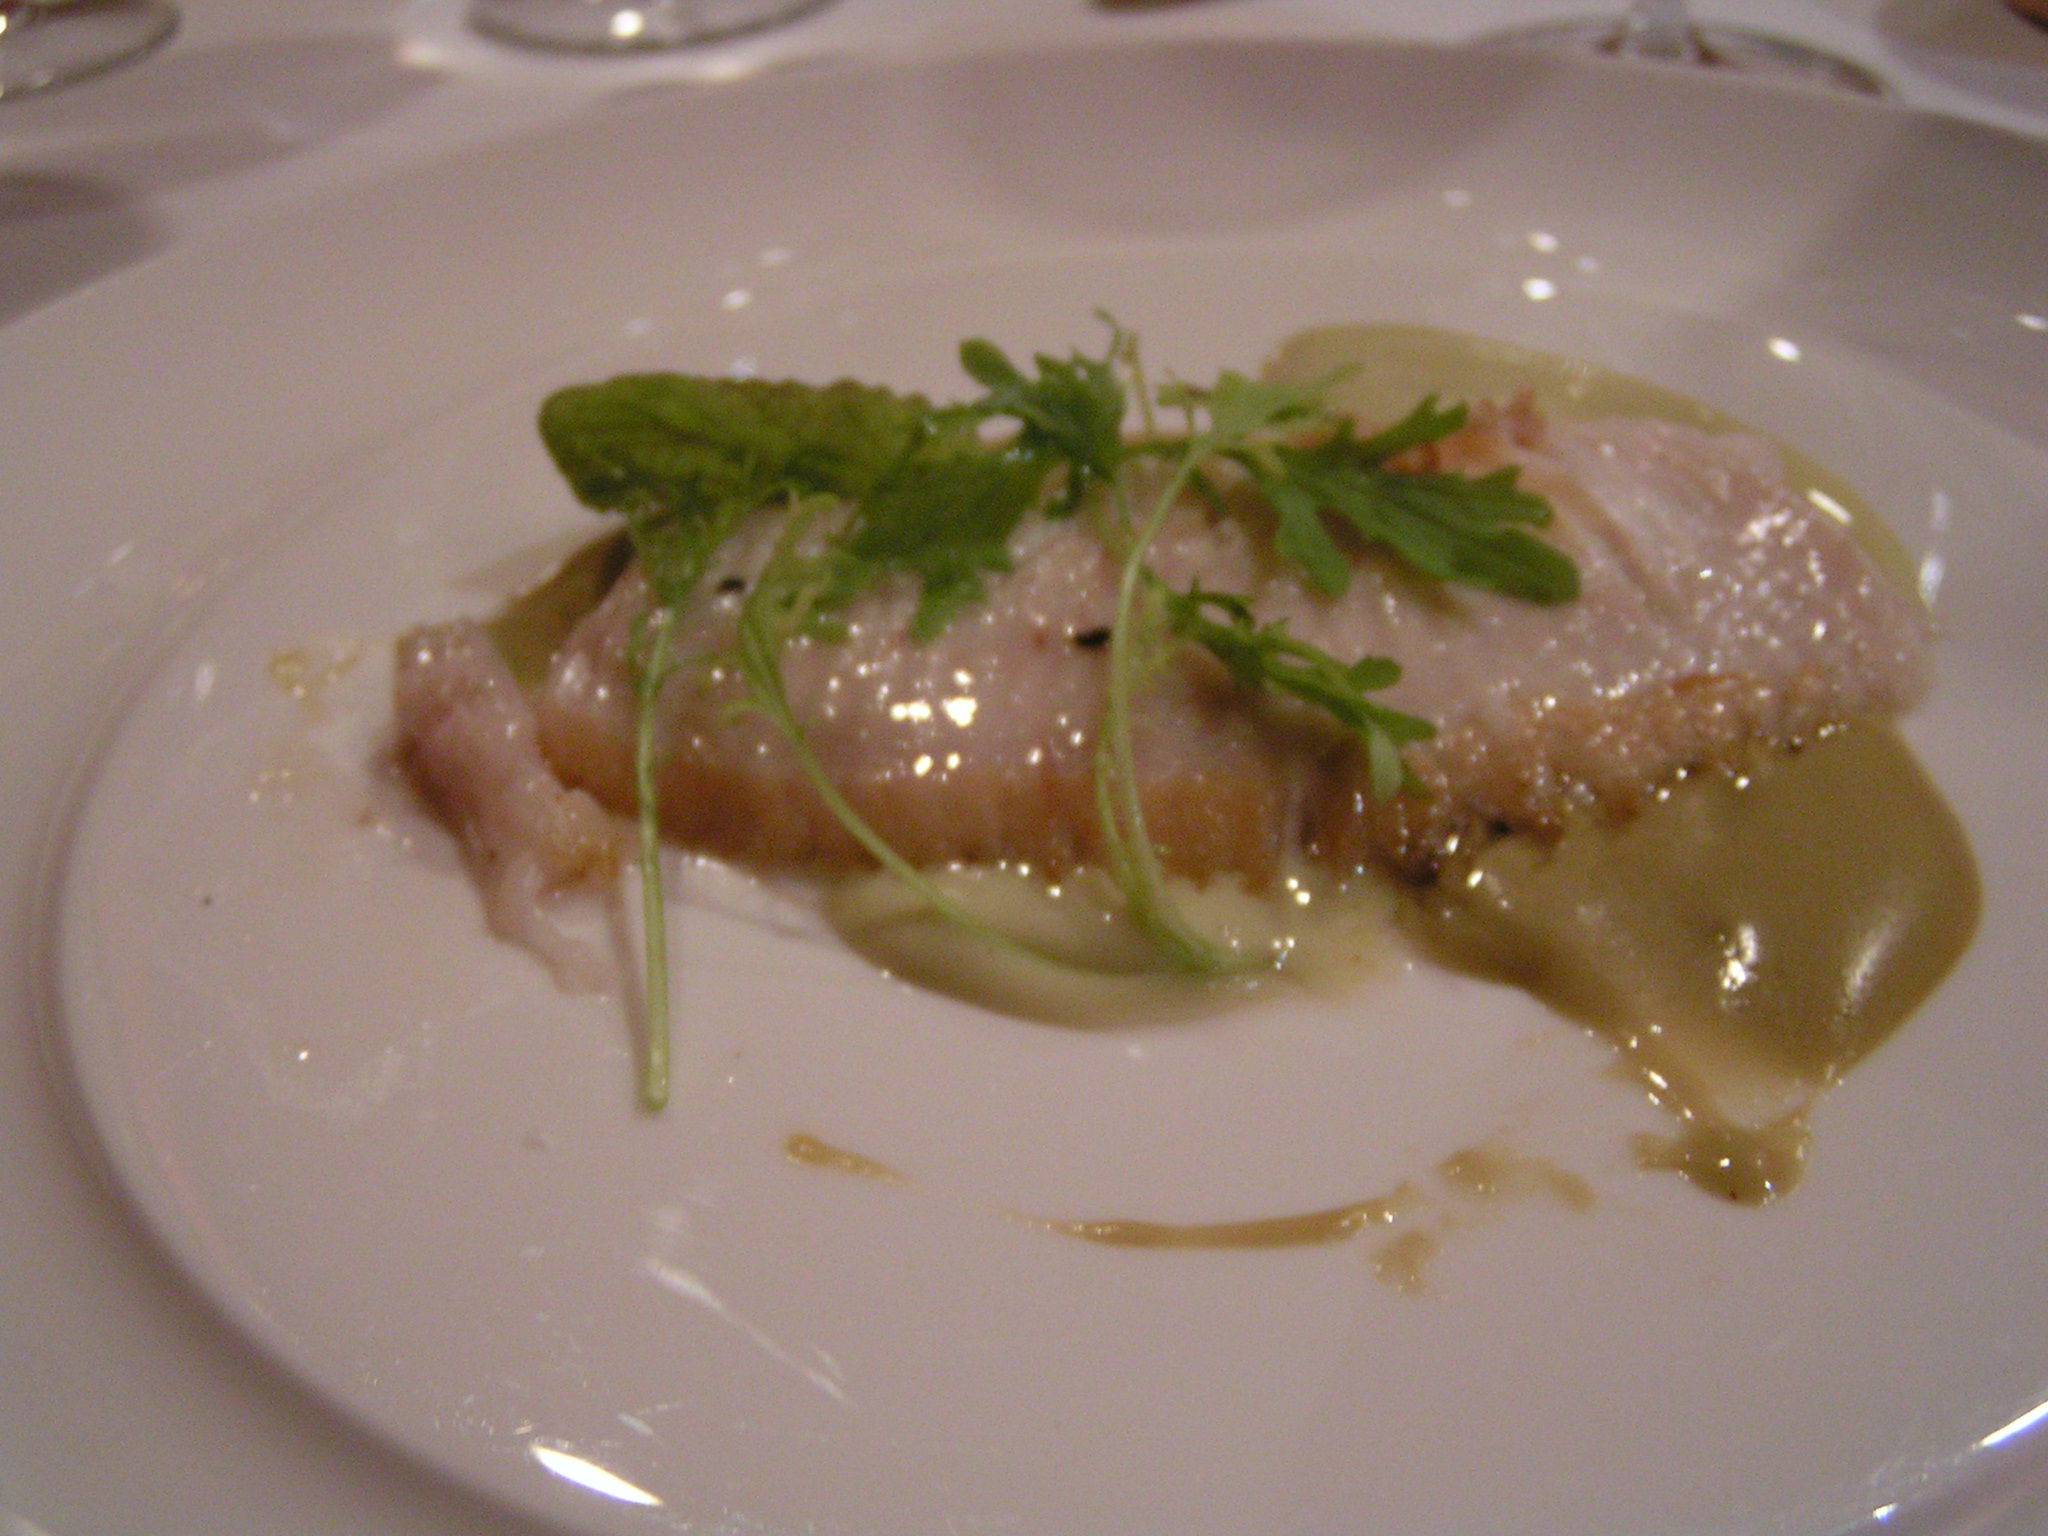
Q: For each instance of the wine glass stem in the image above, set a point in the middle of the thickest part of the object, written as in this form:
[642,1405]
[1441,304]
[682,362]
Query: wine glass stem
[1658,29]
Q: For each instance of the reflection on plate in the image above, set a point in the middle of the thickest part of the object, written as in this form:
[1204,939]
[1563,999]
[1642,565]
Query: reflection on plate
[408,1167]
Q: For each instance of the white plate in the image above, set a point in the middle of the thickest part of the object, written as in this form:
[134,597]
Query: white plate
[410,1170]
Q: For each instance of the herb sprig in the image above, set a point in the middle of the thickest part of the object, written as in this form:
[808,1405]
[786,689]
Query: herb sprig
[876,485]
[1448,527]
[1265,656]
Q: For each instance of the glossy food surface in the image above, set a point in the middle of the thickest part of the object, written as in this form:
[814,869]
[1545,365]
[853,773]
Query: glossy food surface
[382,1146]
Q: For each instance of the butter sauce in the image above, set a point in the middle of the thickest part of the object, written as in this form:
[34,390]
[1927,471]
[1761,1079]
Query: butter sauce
[1415,1218]
[1742,942]
[1088,966]
[1336,1225]
[1483,1176]
[808,1151]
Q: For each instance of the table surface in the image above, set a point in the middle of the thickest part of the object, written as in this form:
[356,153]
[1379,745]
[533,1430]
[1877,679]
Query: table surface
[256,104]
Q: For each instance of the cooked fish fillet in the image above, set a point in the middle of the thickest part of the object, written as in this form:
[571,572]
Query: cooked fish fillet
[1718,610]
[468,740]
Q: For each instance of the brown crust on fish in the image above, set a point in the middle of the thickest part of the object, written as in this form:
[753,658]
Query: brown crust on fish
[1720,613]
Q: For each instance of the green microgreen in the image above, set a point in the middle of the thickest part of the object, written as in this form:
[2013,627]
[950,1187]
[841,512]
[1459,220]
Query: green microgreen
[1448,527]
[1070,417]
[789,599]
[877,486]
[654,660]
[1266,656]
[1220,420]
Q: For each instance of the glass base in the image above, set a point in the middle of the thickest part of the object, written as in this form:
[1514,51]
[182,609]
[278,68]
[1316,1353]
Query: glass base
[627,26]
[1732,49]
[46,43]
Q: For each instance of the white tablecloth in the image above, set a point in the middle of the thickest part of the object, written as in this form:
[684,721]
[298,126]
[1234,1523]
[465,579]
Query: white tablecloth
[258,102]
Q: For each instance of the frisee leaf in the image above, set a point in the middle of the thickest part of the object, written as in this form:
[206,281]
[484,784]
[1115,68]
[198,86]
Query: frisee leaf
[943,514]
[786,601]
[1299,534]
[878,484]
[1223,420]
[686,459]
[1266,656]
[1238,408]
[1071,415]
[1450,527]
[1427,423]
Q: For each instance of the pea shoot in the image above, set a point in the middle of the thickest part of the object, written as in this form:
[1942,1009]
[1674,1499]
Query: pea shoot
[873,485]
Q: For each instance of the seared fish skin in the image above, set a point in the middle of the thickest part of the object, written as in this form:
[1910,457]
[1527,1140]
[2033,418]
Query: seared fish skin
[1718,611]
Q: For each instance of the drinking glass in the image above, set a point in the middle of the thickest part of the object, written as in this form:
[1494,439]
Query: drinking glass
[626,26]
[1663,32]
[46,43]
